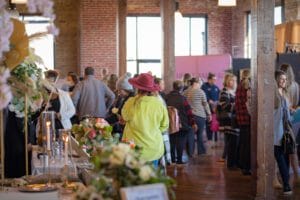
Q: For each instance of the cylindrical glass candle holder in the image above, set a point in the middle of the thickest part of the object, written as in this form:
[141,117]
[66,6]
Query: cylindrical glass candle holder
[48,125]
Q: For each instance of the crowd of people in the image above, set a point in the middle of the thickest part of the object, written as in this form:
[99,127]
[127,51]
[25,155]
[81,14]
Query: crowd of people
[144,114]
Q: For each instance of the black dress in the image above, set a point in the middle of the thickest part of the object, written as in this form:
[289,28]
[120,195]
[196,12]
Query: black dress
[55,106]
[14,139]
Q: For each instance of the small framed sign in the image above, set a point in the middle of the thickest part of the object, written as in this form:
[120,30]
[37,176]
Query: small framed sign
[145,192]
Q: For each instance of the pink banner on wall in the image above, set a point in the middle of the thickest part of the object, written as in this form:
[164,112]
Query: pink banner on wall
[200,66]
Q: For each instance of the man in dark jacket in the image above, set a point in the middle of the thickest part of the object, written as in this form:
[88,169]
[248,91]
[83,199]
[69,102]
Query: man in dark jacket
[212,94]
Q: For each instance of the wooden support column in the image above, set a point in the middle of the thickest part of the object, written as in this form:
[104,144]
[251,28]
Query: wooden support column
[262,68]
[121,36]
[167,10]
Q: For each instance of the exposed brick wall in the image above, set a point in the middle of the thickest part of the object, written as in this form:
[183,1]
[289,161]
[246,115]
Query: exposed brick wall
[67,42]
[292,10]
[98,35]
[219,23]
[239,25]
[143,6]
[98,28]
[219,19]
[88,29]
[239,14]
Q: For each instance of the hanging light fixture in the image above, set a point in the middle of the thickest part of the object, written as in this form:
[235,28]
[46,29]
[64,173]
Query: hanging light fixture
[19,1]
[226,2]
[177,11]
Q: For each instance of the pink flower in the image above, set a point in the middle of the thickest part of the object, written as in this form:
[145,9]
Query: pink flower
[92,134]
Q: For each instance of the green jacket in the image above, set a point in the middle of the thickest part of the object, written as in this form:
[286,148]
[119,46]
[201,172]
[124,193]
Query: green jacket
[146,118]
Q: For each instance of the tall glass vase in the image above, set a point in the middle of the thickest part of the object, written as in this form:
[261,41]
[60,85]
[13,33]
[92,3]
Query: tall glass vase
[48,126]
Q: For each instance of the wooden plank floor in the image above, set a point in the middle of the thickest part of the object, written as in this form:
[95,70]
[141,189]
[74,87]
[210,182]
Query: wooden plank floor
[205,178]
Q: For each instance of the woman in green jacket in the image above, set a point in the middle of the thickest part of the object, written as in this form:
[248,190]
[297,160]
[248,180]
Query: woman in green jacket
[146,118]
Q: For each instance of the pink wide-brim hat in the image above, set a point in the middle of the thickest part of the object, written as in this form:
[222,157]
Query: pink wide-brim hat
[144,81]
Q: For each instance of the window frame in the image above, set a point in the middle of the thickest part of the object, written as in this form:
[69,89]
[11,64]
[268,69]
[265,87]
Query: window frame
[24,15]
[190,16]
[247,47]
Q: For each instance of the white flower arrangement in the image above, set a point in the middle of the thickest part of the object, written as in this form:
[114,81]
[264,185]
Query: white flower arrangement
[119,165]
[46,8]
[5,92]
[6,29]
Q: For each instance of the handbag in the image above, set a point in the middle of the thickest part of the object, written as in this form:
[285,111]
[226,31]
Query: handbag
[288,142]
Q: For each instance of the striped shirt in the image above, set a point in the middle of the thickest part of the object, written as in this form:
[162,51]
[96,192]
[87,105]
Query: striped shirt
[198,102]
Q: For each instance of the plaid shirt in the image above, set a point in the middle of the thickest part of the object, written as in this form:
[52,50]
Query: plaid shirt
[243,117]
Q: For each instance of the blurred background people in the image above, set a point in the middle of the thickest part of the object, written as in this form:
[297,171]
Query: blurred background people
[91,96]
[200,108]
[72,80]
[292,88]
[281,113]
[125,91]
[187,122]
[243,120]
[228,125]
[212,94]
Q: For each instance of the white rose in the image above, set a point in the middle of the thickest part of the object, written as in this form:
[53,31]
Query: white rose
[131,162]
[145,173]
[114,160]
[98,125]
[119,154]
[124,147]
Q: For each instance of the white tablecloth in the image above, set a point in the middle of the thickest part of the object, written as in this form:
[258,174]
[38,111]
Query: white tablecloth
[14,194]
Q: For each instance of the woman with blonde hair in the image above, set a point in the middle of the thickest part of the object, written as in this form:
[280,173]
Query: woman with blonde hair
[292,89]
[226,109]
[281,113]
[292,86]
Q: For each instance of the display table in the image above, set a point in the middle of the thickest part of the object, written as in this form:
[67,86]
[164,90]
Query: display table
[81,160]
[14,194]
[56,165]
[10,193]
[81,167]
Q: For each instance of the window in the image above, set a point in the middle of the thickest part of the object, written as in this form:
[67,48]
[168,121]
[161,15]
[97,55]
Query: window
[144,41]
[190,36]
[278,15]
[278,19]
[248,36]
[144,45]
[44,47]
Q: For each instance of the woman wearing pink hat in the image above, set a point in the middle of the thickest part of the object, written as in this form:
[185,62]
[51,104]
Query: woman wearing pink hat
[146,118]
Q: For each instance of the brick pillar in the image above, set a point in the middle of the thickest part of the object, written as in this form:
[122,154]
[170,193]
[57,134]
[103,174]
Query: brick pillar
[262,68]
[167,10]
[66,43]
[121,37]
